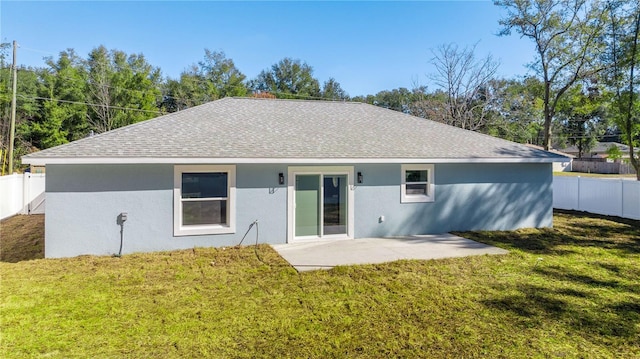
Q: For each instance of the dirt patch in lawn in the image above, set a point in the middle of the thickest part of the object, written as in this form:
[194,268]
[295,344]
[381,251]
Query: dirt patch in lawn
[22,238]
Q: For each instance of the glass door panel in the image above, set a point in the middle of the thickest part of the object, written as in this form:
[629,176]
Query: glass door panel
[307,205]
[335,204]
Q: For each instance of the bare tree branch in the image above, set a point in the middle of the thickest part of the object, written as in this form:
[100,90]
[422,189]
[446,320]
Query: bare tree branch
[463,78]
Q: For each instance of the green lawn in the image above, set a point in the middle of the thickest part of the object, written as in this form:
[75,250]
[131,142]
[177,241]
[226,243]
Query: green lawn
[568,292]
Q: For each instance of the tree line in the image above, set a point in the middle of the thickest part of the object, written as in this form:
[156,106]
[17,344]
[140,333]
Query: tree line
[581,86]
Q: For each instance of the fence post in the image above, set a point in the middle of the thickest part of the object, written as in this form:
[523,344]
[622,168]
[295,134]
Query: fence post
[25,193]
[578,209]
[28,190]
[621,197]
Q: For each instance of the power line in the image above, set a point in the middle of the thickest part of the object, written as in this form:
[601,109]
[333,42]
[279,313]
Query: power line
[90,104]
[36,50]
[164,96]
[203,82]
[143,92]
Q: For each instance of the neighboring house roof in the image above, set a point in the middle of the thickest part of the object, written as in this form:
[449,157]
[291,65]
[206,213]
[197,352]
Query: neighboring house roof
[558,152]
[250,130]
[599,148]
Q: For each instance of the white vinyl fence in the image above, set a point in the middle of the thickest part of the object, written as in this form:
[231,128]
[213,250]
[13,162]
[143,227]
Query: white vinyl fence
[21,193]
[612,197]
[24,193]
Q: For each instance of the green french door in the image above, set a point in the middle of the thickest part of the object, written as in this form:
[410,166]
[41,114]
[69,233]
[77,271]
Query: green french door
[321,205]
[307,220]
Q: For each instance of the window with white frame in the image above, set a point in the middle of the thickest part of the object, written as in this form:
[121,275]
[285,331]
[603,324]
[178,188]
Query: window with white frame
[204,199]
[417,183]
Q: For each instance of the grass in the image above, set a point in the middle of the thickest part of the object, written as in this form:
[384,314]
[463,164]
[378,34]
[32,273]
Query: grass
[569,292]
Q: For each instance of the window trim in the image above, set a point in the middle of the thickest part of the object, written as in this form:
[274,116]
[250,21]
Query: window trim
[413,198]
[193,230]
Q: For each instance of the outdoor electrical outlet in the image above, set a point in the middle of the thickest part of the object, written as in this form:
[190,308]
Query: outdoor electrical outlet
[123,216]
[381,219]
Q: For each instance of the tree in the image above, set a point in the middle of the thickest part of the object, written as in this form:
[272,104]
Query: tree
[173,98]
[515,111]
[432,106]
[397,99]
[582,116]
[222,74]
[63,116]
[190,90]
[370,99]
[614,153]
[288,78]
[215,77]
[123,89]
[400,99]
[623,57]
[565,33]
[27,110]
[333,91]
[464,79]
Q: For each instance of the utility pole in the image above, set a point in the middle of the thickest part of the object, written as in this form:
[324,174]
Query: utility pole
[13,109]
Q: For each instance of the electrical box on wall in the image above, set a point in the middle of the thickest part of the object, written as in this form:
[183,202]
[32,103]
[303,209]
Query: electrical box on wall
[122,217]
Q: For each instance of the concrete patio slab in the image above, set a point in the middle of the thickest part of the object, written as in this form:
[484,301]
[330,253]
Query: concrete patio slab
[326,254]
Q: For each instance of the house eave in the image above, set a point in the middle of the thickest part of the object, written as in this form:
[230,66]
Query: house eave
[42,161]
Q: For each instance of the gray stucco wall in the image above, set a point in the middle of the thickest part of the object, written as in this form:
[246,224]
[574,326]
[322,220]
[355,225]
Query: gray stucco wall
[84,201]
[467,197]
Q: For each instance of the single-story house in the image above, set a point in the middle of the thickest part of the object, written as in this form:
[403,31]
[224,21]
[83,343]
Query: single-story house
[599,150]
[559,166]
[305,170]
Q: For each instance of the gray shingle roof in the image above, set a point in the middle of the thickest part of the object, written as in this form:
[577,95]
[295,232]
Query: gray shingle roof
[261,129]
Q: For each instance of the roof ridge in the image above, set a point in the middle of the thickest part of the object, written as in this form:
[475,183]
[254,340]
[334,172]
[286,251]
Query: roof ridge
[294,100]
[242,127]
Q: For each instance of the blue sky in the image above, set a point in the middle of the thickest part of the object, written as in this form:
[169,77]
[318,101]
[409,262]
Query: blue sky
[366,46]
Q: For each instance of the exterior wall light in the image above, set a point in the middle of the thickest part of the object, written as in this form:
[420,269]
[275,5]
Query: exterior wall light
[359,177]
[281,178]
